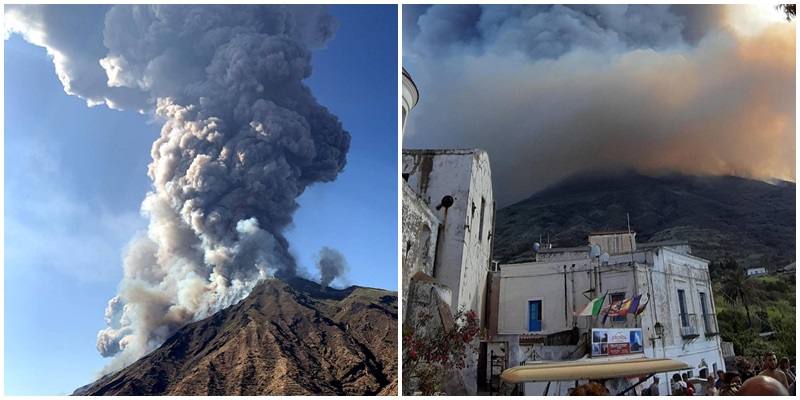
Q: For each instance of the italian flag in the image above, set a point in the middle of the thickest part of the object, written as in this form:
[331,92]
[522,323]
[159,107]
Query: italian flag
[593,308]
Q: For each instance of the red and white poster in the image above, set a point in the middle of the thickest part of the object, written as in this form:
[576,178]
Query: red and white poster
[616,342]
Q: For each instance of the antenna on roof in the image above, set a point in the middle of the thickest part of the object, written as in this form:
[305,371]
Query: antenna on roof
[604,258]
[633,245]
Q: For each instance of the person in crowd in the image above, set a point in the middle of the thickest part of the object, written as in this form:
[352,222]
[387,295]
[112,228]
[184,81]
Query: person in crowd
[784,367]
[747,374]
[690,389]
[718,384]
[731,382]
[773,371]
[654,387]
[590,389]
[763,385]
[710,389]
[678,387]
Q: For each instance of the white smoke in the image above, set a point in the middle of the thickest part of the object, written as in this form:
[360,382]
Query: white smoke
[242,139]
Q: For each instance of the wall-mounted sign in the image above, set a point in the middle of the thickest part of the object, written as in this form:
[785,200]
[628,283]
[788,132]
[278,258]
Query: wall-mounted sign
[616,342]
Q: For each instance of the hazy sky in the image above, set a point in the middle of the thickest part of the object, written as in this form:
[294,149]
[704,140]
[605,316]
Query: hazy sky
[76,177]
[550,91]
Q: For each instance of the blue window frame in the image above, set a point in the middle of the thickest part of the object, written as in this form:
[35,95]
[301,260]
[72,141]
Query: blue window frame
[535,315]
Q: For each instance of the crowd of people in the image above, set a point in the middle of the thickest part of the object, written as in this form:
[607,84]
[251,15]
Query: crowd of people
[760,376]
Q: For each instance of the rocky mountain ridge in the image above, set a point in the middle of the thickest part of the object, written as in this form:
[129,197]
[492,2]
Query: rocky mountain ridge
[720,216]
[285,338]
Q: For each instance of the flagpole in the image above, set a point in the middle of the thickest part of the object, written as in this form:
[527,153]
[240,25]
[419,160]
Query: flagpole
[633,265]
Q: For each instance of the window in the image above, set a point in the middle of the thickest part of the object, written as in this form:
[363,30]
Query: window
[483,211]
[682,305]
[535,315]
[619,296]
[703,308]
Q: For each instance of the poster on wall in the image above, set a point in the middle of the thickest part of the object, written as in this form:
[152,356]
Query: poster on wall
[616,342]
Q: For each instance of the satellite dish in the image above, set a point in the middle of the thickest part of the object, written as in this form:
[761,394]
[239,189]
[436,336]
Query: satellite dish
[604,258]
[595,251]
[536,247]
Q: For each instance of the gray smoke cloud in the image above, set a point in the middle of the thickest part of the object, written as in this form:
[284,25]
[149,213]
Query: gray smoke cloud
[332,265]
[242,139]
[550,91]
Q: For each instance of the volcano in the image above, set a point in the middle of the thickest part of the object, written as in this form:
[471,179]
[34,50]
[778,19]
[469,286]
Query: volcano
[720,216]
[287,337]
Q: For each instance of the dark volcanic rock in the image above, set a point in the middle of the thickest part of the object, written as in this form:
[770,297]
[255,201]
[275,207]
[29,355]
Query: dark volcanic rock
[285,338]
[750,220]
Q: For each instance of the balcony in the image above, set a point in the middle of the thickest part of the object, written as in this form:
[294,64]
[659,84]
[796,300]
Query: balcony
[689,324]
[710,324]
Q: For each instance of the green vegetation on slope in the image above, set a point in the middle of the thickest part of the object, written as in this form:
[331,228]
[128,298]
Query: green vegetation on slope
[770,302]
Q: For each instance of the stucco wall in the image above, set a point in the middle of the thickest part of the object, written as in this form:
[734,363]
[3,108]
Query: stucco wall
[475,259]
[463,254]
[420,230]
[673,271]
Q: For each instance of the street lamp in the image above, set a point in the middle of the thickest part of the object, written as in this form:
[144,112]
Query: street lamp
[659,329]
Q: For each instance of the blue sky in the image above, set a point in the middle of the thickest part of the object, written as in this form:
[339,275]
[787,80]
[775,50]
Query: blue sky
[75,178]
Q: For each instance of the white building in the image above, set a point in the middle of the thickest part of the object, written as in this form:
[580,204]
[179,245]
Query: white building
[410,96]
[447,227]
[456,186]
[756,272]
[537,300]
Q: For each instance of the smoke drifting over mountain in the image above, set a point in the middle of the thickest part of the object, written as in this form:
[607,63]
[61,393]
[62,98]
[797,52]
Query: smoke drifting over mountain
[242,139]
[552,90]
[331,265]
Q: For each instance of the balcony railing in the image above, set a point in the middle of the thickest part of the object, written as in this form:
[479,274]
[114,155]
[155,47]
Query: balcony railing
[689,324]
[710,324]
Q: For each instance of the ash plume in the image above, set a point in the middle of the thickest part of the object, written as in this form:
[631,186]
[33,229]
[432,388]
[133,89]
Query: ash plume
[331,264]
[242,138]
[550,91]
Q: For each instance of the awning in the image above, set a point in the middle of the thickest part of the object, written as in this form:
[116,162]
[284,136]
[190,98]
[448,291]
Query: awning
[590,369]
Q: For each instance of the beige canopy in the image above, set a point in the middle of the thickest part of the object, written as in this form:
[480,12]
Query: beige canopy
[591,369]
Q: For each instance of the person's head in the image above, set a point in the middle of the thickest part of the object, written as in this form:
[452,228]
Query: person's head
[676,377]
[785,363]
[732,378]
[771,361]
[590,389]
[710,379]
[762,385]
[656,379]
[685,376]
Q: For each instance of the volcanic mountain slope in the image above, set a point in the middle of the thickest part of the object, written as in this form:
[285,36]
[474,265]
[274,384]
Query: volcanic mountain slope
[751,221]
[285,338]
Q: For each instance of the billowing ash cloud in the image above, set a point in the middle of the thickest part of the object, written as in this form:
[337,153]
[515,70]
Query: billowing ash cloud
[242,139]
[331,264]
[550,91]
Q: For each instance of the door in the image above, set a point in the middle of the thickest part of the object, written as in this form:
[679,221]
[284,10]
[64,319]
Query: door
[535,315]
